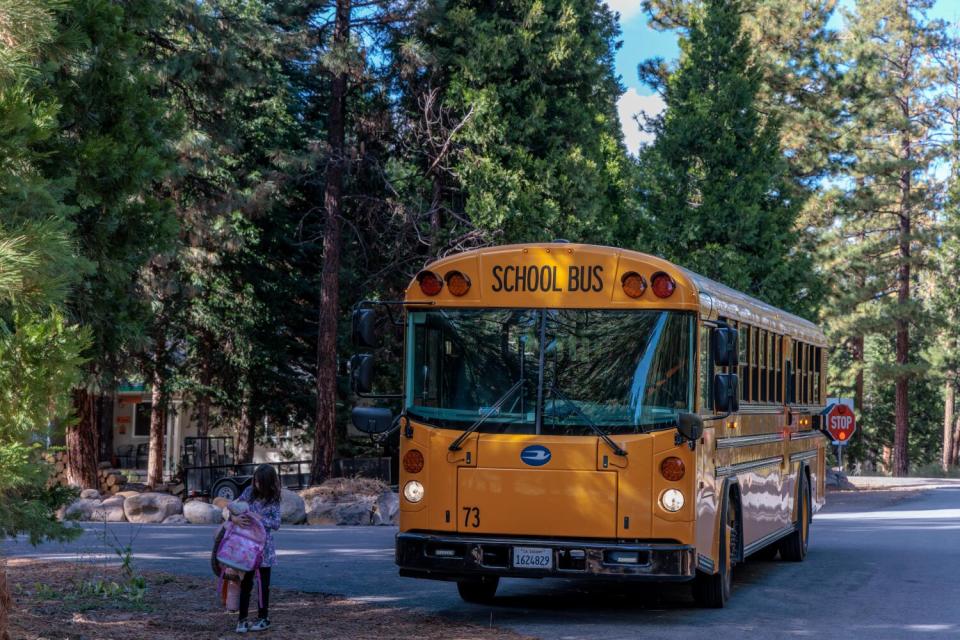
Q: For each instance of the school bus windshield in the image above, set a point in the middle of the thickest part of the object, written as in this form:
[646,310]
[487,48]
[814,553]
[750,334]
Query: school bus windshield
[624,371]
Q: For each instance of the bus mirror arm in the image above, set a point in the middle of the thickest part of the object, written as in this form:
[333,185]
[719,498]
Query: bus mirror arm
[722,416]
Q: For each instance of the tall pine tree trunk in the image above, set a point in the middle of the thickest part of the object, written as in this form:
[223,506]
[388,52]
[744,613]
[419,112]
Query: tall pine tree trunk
[105,424]
[206,376]
[856,349]
[901,460]
[956,439]
[246,430]
[155,457]
[948,394]
[324,439]
[82,441]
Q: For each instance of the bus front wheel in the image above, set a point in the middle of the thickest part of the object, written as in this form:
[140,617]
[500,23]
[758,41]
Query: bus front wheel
[713,590]
[478,590]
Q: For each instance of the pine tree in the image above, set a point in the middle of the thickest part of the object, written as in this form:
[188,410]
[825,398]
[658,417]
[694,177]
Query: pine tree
[532,149]
[39,351]
[118,150]
[794,50]
[715,185]
[889,220]
[946,274]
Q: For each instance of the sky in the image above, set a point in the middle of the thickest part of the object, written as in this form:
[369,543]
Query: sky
[640,42]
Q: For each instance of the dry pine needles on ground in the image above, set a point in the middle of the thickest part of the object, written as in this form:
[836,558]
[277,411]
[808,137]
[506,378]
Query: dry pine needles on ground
[336,489]
[75,601]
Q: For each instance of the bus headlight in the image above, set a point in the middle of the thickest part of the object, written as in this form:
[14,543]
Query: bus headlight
[671,500]
[413,491]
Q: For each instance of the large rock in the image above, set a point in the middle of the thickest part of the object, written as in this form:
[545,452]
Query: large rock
[80,509]
[126,494]
[198,512]
[151,508]
[838,480]
[176,519]
[110,510]
[220,503]
[387,508]
[293,510]
[90,494]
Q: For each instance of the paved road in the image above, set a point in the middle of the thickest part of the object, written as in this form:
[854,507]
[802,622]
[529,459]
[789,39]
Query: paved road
[881,565]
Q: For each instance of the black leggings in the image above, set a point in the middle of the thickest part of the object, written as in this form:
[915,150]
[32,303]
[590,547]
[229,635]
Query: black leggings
[246,589]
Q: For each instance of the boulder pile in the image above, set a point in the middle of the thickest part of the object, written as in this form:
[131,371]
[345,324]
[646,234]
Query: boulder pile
[340,501]
[351,501]
[125,506]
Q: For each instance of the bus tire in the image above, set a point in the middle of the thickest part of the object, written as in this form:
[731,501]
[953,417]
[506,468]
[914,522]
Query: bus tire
[478,590]
[794,547]
[712,591]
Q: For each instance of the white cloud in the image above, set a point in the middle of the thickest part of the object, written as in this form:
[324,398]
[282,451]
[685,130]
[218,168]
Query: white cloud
[632,104]
[626,8]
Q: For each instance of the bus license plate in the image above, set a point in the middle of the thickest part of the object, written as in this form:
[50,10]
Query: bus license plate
[532,558]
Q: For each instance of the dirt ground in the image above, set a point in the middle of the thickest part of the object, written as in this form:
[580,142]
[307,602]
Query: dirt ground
[88,601]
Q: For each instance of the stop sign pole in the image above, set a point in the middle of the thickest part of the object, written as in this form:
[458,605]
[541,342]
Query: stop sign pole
[840,423]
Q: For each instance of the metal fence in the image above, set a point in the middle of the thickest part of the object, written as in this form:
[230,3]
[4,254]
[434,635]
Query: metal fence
[200,480]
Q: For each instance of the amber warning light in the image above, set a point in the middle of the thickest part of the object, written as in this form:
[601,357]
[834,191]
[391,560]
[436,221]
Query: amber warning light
[430,283]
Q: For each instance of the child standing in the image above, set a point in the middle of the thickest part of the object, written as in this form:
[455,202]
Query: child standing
[263,498]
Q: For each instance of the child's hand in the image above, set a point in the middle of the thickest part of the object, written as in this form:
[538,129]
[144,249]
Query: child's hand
[243,519]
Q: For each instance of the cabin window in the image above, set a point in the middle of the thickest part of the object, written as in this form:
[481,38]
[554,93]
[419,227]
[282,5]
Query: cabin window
[754,364]
[141,419]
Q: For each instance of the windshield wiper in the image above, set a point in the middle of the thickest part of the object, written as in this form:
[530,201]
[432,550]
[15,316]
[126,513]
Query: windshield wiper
[456,444]
[590,423]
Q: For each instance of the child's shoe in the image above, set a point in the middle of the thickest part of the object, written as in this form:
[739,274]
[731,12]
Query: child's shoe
[260,625]
[243,626]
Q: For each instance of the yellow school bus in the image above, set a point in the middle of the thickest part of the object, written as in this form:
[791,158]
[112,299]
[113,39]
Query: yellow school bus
[582,411]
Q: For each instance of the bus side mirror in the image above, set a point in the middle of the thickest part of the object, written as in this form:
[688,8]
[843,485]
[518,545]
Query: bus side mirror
[372,420]
[726,393]
[725,352]
[361,373]
[364,334]
[690,426]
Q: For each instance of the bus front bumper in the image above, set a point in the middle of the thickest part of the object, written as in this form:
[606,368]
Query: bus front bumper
[449,557]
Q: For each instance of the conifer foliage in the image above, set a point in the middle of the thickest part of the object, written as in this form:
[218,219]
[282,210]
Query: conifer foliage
[717,193]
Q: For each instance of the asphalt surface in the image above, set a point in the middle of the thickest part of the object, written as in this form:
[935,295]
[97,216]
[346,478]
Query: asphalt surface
[881,565]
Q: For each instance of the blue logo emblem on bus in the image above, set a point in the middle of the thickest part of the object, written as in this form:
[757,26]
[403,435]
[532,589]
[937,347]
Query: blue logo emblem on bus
[535,455]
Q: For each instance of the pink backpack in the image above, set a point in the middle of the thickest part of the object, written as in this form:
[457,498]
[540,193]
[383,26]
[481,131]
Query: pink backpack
[241,548]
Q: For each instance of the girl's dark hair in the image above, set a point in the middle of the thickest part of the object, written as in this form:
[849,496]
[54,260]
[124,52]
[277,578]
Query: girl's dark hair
[266,484]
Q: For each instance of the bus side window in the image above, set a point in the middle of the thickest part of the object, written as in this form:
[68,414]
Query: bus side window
[762,365]
[805,378]
[795,373]
[742,359]
[755,364]
[816,375]
[706,369]
[778,368]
